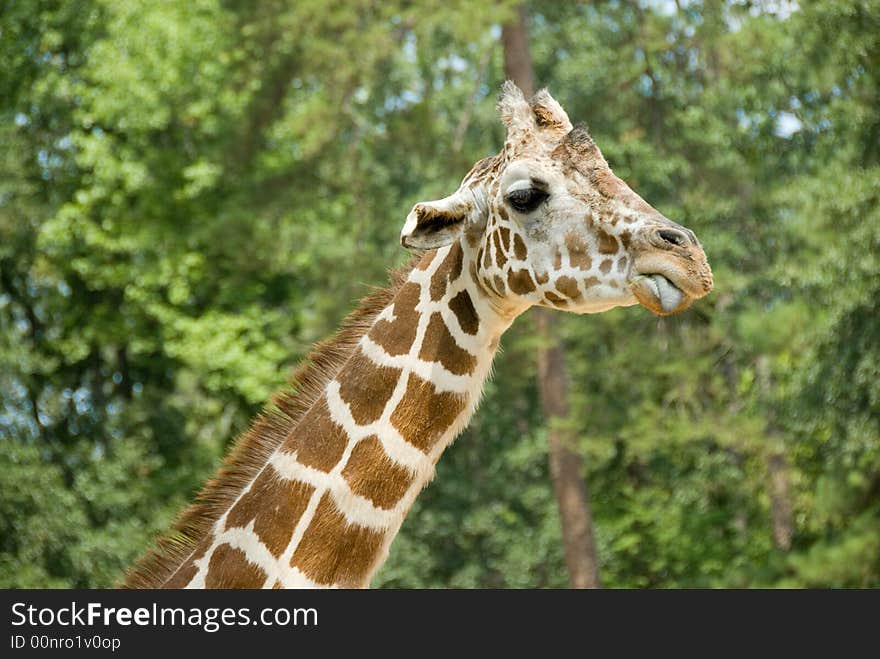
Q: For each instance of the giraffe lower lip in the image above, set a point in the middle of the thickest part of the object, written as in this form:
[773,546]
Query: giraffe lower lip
[667,294]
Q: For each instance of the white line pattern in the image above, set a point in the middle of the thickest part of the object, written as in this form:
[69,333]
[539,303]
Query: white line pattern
[357,509]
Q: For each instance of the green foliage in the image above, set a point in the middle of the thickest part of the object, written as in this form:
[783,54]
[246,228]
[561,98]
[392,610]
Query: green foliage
[191,194]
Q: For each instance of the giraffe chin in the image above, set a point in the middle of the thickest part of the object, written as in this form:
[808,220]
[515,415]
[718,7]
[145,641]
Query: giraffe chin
[658,294]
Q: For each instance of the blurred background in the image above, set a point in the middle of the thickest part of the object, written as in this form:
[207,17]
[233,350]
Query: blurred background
[192,193]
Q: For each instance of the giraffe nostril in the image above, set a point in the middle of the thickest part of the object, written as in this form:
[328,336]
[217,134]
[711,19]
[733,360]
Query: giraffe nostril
[673,237]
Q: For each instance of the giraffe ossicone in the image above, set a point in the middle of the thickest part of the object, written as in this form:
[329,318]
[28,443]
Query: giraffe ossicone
[314,493]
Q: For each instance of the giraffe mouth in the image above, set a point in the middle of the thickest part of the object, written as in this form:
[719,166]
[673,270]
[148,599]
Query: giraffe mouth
[668,294]
[657,293]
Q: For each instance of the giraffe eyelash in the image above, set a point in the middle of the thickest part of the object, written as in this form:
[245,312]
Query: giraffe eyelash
[527,199]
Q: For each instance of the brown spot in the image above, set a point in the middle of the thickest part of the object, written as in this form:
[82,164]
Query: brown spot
[426,260]
[607,243]
[499,285]
[543,277]
[588,219]
[188,569]
[520,282]
[590,282]
[568,287]
[574,242]
[424,414]
[577,251]
[317,440]
[553,298]
[580,260]
[438,345]
[557,261]
[464,311]
[621,264]
[366,387]
[373,475]
[332,551]
[625,238]
[500,259]
[230,568]
[605,268]
[277,586]
[499,248]
[487,262]
[396,337]
[276,504]
[519,247]
[502,213]
[182,576]
[504,232]
[448,271]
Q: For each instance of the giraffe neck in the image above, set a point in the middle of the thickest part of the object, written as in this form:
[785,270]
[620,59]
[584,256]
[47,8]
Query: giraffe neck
[324,509]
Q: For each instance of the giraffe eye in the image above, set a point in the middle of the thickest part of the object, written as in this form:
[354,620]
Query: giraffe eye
[527,199]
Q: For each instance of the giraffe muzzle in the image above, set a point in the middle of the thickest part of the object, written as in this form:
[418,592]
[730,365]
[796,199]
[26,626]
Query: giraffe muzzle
[670,270]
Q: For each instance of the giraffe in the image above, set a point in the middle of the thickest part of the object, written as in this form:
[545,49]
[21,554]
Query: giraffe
[313,494]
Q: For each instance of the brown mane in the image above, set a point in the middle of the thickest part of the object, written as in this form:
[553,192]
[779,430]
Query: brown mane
[252,449]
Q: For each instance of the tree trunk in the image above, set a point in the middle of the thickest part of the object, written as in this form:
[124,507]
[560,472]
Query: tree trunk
[517,58]
[566,465]
[781,516]
[780,501]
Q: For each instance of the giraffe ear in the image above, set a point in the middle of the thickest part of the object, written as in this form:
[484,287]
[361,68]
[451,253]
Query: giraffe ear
[548,112]
[516,113]
[433,224]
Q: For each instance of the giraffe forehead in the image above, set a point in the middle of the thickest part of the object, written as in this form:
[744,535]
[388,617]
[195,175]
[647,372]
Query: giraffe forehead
[611,203]
[483,170]
[523,170]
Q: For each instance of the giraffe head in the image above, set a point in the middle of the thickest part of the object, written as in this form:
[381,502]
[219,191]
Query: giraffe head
[549,224]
